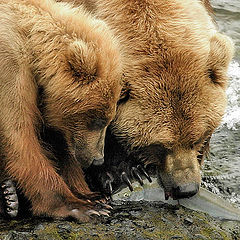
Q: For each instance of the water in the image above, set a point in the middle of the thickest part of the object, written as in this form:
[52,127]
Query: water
[223,167]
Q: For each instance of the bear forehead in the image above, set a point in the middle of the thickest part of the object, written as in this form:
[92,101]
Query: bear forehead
[173,108]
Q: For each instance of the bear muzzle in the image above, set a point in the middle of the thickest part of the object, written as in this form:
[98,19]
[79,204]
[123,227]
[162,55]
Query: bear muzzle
[180,175]
[185,191]
[179,191]
[98,161]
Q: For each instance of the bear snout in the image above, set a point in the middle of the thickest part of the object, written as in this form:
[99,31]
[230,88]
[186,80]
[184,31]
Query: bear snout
[177,189]
[180,175]
[88,158]
[98,161]
[185,191]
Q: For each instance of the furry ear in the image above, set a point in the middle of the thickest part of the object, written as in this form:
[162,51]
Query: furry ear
[221,53]
[82,60]
[221,50]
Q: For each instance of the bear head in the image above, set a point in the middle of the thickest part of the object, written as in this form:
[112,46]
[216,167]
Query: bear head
[174,95]
[167,119]
[82,90]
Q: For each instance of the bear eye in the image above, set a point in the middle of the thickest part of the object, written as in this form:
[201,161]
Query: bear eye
[124,97]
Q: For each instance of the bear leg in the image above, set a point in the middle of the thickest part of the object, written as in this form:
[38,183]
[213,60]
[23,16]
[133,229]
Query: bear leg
[75,179]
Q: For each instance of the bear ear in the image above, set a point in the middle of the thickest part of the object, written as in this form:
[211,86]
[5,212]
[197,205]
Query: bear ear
[221,50]
[221,53]
[82,61]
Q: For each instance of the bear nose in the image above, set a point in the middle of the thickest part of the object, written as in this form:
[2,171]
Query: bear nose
[185,191]
[98,161]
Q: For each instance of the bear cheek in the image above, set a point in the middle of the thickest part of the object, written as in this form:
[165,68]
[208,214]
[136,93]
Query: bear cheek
[180,174]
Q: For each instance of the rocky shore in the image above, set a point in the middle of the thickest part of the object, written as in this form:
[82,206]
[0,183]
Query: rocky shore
[129,220]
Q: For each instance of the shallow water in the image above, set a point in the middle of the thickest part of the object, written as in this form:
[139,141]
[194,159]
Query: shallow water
[223,167]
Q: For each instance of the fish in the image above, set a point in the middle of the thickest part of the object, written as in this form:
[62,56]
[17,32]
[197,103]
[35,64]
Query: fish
[203,201]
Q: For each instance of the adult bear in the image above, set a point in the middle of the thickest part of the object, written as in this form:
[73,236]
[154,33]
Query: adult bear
[60,69]
[175,80]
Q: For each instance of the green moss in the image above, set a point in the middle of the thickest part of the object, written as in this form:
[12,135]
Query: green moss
[93,232]
[50,232]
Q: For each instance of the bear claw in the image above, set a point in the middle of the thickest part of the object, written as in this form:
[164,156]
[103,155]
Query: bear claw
[109,187]
[135,172]
[11,213]
[141,169]
[104,213]
[7,184]
[109,179]
[107,206]
[92,213]
[127,181]
[104,205]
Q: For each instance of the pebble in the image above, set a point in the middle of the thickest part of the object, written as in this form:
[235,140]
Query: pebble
[39,227]
[188,221]
[176,237]
[199,237]
[64,228]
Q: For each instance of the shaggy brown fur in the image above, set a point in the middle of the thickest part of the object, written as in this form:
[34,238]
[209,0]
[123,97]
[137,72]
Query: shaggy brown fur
[176,79]
[74,60]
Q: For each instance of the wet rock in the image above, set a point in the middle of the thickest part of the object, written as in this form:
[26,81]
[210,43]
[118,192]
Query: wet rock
[129,220]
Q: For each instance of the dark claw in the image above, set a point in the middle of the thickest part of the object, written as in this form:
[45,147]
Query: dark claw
[136,174]
[126,180]
[8,210]
[140,168]
[109,187]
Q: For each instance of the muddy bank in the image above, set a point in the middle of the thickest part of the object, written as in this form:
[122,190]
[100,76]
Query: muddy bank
[129,220]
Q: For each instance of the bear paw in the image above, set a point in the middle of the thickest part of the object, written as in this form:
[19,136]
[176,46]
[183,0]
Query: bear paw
[130,172]
[9,199]
[90,211]
[112,179]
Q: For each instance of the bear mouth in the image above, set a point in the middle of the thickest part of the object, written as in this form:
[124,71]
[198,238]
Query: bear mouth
[176,192]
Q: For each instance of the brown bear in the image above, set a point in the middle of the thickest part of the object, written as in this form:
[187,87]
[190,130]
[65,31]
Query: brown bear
[60,69]
[175,80]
